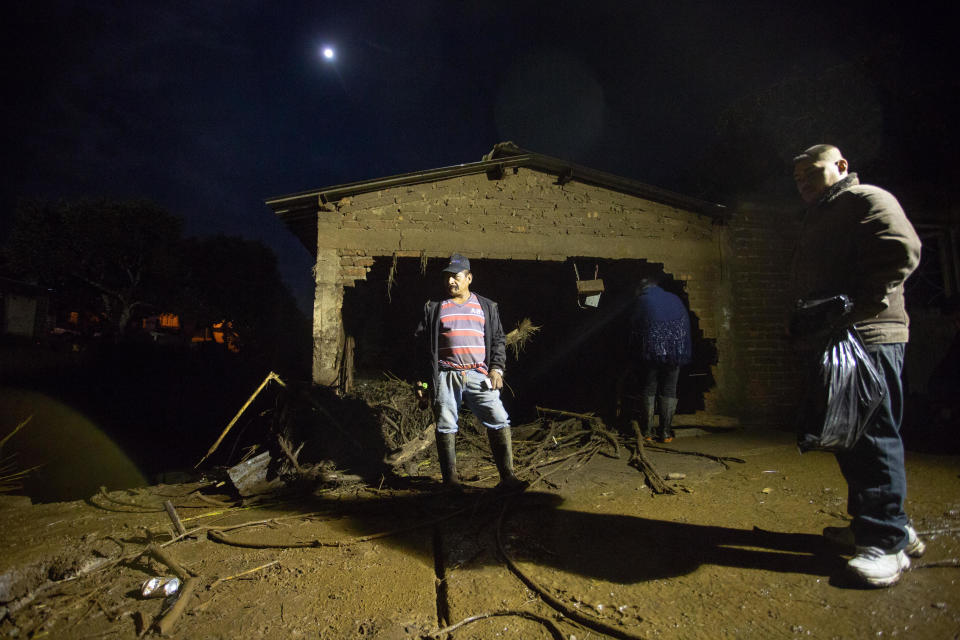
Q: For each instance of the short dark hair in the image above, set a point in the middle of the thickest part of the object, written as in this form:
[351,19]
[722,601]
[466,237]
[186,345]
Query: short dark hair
[816,152]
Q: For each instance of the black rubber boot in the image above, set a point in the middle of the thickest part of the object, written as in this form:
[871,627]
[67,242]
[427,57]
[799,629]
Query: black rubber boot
[447,453]
[668,406]
[647,405]
[501,445]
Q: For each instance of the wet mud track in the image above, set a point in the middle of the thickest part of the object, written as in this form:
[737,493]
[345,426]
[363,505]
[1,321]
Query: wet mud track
[735,553]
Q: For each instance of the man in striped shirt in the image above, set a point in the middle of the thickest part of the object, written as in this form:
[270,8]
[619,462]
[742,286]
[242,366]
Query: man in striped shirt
[467,355]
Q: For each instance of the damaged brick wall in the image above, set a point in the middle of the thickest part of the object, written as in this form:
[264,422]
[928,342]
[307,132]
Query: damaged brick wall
[761,239]
[523,215]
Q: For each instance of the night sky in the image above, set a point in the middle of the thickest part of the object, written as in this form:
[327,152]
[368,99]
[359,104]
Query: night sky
[208,107]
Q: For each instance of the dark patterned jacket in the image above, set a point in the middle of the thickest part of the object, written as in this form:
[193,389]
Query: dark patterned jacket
[660,328]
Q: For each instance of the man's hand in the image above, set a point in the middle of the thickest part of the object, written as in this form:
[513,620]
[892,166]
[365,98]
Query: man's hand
[819,316]
[496,379]
[423,397]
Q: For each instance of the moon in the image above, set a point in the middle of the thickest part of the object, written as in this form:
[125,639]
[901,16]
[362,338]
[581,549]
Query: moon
[328,53]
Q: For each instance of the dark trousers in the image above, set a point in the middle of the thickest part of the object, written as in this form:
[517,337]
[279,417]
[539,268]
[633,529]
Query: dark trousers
[874,469]
[658,379]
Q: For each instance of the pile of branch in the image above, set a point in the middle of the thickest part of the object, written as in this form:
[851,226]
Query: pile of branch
[395,405]
[408,431]
[562,438]
[639,460]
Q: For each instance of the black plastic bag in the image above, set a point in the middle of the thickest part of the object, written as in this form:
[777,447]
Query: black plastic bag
[844,393]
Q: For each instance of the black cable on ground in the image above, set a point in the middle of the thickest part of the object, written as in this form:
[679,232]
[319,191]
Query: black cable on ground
[550,599]
[551,627]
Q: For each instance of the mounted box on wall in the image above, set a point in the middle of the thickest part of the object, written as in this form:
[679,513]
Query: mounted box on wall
[588,292]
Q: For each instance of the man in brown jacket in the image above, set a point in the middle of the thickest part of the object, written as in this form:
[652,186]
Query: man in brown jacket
[856,240]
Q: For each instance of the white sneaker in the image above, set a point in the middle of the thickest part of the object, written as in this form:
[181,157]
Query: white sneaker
[843,537]
[915,546]
[877,568]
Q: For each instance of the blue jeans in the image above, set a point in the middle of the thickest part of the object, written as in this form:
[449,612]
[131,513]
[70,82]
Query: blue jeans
[874,469]
[658,379]
[453,388]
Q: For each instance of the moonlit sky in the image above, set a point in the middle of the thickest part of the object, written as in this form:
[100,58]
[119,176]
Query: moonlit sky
[209,107]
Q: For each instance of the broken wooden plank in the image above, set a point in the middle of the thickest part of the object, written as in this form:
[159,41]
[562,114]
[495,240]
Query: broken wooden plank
[165,624]
[174,518]
[410,450]
[166,559]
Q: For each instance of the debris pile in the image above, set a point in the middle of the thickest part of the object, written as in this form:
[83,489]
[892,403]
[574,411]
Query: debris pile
[556,439]
[390,435]
[407,430]
[561,440]
[271,440]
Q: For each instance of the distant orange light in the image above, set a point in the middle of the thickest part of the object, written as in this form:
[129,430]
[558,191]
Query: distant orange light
[218,333]
[223,333]
[169,320]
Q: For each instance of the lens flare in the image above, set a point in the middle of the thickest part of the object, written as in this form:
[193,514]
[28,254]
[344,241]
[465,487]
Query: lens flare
[75,455]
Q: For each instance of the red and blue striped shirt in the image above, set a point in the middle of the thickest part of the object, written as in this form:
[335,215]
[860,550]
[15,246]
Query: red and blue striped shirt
[461,343]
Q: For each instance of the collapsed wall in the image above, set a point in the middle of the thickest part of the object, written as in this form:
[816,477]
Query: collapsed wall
[519,214]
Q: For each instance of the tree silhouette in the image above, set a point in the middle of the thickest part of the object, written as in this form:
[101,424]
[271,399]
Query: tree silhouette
[113,258]
[227,278]
[123,260]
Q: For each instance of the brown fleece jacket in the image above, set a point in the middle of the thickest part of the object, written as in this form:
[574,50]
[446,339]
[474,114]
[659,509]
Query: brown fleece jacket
[858,241]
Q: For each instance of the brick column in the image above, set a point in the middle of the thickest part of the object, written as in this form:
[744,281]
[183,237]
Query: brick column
[327,323]
[762,237]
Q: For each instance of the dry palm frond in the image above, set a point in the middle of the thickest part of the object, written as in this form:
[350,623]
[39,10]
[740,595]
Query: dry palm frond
[9,476]
[517,338]
[11,434]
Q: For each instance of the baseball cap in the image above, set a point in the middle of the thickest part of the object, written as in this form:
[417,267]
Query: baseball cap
[457,264]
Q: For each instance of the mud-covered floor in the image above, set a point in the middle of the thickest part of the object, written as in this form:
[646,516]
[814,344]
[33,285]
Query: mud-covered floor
[733,554]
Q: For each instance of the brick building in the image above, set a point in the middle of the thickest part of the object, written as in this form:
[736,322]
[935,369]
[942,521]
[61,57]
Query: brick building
[532,224]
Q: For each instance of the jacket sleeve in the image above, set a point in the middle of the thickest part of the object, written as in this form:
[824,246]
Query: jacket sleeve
[498,340]
[888,250]
[421,335]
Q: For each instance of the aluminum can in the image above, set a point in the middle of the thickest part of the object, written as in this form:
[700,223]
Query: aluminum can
[160,587]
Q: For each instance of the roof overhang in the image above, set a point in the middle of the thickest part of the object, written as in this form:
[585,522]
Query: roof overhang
[299,210]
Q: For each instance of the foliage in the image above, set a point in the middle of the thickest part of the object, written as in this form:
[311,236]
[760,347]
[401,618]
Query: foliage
[123,260]
[112,258]
[235,279]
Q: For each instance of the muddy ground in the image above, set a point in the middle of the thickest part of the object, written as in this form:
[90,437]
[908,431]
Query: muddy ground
[735,553]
